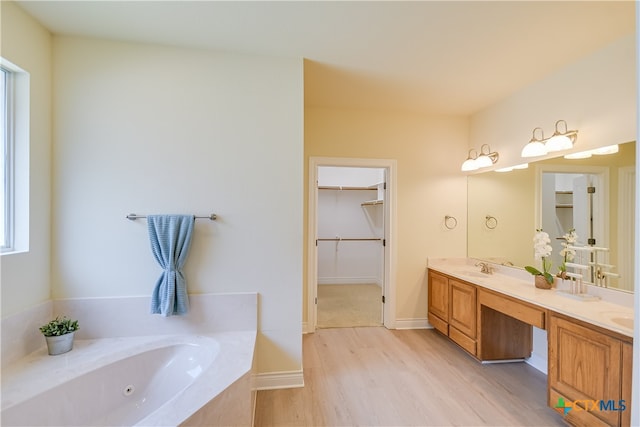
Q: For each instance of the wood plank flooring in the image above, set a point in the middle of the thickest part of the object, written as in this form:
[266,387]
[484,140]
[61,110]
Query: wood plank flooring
[379,377]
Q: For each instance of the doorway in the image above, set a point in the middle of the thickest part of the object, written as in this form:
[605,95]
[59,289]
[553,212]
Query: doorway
[350,246]
[350,277]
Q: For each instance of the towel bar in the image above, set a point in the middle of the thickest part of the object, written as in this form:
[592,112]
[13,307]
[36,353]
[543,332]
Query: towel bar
[133,217]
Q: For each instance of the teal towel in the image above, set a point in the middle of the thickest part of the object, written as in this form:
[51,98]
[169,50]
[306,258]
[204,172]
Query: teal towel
[170,237]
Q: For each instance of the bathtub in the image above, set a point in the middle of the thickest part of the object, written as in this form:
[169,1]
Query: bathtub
[139,381]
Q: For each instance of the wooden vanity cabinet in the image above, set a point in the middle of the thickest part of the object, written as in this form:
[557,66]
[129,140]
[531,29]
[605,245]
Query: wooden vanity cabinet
[462,314]
[438,294]
[452,309]
[588,364]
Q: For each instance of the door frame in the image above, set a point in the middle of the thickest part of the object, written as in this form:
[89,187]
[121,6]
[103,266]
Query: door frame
[626,221]
[390,233]
[601,206]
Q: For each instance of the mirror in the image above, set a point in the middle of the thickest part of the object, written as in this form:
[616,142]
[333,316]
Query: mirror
[504,210]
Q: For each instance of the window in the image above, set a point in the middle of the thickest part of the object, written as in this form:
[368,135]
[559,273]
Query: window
[14,164]
[6,191]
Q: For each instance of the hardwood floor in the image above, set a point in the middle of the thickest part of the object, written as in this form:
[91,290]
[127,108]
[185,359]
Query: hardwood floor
[379,377]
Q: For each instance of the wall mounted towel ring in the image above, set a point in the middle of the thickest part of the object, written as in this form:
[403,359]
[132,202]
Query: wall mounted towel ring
[491,222]
[450,222]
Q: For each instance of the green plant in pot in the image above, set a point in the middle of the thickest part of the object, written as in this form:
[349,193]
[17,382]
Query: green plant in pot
[59,335]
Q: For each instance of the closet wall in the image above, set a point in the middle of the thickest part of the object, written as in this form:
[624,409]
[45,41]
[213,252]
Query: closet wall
[348,213]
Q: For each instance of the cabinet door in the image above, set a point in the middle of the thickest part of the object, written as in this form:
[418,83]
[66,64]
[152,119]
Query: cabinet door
[584,367]
[439,296]
[463,307]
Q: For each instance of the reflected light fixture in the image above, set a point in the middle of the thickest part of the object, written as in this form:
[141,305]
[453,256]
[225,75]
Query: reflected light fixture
[511,168]
[561,140]
[535,147]
[476,161]
[580,155]
[610,149]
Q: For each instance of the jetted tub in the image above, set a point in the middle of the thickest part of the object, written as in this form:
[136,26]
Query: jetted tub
[142,381]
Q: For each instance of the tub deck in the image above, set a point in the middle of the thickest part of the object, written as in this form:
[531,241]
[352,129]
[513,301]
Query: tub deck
[232,370]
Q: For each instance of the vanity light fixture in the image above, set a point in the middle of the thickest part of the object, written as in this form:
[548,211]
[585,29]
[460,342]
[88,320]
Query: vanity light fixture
[535,147]
[557,142]
[476,161]
[561,140]
[470,163]
[486,157]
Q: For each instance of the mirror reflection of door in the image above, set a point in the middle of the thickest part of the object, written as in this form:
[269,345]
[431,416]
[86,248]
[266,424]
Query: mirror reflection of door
[571,201]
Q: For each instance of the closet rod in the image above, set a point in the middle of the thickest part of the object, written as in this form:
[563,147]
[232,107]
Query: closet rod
[339,187]
[133,217]
[339,239]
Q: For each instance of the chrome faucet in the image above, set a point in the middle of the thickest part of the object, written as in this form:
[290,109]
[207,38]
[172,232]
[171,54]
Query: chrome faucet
[485,267]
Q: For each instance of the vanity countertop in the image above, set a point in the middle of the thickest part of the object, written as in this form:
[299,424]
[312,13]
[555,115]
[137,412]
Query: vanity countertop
[518,284]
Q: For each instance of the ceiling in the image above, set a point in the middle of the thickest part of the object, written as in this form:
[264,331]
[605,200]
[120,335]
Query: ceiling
[442,57]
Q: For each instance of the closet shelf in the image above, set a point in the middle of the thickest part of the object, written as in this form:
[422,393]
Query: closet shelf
[372,202]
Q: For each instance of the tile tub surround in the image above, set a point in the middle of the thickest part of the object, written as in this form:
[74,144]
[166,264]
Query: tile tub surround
[127,316]
[21,334]
[518,283]
[234,364]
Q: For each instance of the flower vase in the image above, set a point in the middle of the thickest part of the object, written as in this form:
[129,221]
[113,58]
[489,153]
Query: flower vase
[541,282]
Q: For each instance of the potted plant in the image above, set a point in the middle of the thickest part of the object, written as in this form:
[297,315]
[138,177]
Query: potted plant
[59,335]
[542,247]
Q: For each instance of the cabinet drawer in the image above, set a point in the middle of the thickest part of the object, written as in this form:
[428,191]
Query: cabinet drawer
[511,307]
[462,340]
[439,324]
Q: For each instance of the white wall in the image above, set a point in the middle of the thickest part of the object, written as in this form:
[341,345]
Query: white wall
[349,177]
[429,185]
[596,96]
[150,129]
[341,215]
[25,276]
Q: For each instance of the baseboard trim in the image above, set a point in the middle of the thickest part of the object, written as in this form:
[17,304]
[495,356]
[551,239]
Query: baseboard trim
[349,281]
[417,323]
[277,380]
[540,363]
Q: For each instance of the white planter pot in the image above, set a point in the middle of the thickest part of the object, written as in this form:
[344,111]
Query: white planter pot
[60,344]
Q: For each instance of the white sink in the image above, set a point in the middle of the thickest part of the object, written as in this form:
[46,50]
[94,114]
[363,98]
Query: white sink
[619,319]
[626,322]
[473,273]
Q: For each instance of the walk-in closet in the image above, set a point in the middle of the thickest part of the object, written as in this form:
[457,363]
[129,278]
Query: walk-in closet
[350,217]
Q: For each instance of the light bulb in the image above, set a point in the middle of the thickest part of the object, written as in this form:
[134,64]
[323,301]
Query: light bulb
[558,142]
[469,165]
[534,149]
